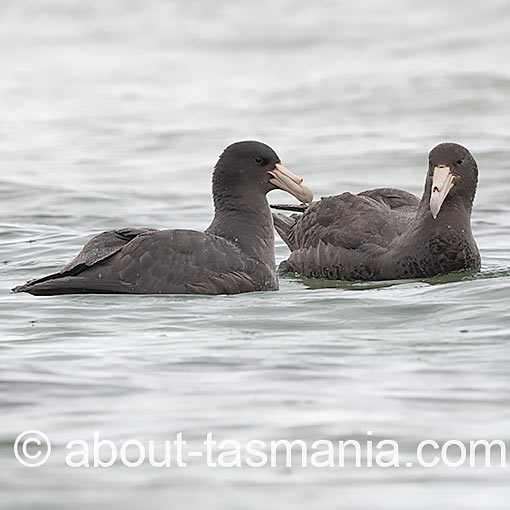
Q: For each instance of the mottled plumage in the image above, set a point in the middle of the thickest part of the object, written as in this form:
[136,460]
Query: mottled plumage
[387,234]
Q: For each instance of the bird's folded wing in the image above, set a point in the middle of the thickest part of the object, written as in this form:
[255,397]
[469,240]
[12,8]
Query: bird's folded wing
[104,245]
[163,262]
[395,199]
[350,221]
[99,248]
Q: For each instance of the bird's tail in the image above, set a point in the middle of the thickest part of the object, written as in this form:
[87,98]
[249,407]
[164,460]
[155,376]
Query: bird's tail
[57,284]
[34,284]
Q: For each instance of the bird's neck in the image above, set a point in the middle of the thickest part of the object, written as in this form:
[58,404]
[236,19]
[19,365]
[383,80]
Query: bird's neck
[246,222]
[446,243]
[454,216]
[437,246]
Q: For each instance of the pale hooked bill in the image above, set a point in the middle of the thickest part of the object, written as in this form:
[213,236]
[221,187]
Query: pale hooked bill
[290,182]
[442,183]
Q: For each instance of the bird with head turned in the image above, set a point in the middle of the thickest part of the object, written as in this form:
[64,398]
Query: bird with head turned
[387,233]
[234,255]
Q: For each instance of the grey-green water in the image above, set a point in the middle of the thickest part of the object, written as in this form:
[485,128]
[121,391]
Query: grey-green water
[112,114]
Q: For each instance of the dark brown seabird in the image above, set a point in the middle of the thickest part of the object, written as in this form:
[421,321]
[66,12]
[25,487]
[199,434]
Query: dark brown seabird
[387,234]
[234,255]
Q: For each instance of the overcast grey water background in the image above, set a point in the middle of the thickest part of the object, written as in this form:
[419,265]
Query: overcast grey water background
[112,114]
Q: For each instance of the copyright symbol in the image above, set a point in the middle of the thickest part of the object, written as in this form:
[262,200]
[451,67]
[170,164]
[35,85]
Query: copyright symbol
[32,448]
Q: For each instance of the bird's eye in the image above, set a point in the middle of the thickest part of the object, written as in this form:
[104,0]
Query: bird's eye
[459,162]
[259,161]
